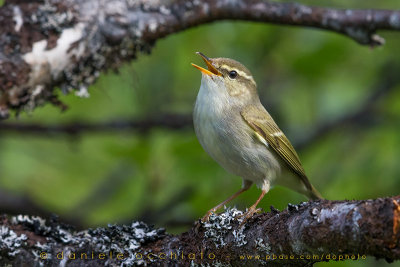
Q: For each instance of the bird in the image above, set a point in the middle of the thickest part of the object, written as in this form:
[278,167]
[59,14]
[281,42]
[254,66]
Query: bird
[236,130]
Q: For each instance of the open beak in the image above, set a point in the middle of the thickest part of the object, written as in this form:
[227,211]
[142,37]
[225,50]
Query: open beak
[211,69]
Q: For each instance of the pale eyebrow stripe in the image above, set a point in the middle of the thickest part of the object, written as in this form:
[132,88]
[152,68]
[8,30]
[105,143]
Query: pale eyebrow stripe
[241,73]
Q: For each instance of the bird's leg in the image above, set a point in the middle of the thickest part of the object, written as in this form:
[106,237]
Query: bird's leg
[246,185]
[253,209]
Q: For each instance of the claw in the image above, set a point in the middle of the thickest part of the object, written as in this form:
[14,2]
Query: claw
[207,216]
[248,214]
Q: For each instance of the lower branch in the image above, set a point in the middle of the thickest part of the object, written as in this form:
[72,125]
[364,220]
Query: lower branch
[300,234]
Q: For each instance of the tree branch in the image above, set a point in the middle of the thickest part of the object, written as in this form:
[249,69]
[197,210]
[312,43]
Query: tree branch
[168,121]
[322,230]
[44,44]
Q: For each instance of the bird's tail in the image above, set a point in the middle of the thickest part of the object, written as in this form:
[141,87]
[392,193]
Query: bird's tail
[314,194]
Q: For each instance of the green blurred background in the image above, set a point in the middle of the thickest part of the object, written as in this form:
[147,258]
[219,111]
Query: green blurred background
[311,81]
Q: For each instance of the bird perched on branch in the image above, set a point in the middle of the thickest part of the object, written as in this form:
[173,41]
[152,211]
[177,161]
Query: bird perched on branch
[236,130]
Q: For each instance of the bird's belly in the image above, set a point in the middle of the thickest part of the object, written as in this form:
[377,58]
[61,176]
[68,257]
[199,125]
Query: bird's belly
[234,147]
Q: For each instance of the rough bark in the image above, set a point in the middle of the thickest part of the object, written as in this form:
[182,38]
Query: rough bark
[49,43]
[309,232]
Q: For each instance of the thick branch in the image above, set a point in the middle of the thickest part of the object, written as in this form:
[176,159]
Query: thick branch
[44,44]
[334,229]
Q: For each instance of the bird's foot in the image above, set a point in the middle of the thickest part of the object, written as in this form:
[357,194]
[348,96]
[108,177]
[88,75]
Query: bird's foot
[207,216]
[248,214]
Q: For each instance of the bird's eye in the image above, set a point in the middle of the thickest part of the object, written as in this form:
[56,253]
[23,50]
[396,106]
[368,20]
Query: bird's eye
[232,74]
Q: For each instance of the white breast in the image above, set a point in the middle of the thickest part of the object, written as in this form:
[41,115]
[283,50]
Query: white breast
[208,118]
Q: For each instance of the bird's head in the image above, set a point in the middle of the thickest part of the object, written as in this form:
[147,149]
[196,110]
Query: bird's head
[228,77]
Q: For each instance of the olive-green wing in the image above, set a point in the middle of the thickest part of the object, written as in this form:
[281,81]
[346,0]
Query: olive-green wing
[263,125]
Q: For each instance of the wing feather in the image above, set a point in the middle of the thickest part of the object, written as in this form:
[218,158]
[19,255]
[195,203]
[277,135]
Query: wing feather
[263,125]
